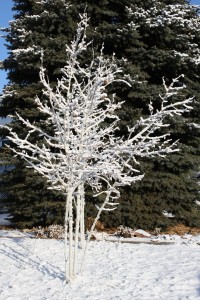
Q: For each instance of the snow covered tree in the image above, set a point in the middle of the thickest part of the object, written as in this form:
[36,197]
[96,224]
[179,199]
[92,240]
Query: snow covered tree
[82,147]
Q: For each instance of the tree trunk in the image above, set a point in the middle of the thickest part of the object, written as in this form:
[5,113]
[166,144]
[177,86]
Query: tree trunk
[82,219]
[76,236]
[66,235]
[69,228]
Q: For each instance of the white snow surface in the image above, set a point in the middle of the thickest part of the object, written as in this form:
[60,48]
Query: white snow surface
[33,269]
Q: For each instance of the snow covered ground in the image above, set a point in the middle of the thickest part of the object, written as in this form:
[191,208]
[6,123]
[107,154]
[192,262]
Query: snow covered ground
[33,269]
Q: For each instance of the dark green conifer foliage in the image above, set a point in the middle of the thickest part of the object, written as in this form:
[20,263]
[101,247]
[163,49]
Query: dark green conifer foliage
[149,42]
[167,185]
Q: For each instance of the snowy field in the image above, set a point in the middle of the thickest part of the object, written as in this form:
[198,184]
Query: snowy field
[33,269]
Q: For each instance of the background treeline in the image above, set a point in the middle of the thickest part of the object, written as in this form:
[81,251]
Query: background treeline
[150,39]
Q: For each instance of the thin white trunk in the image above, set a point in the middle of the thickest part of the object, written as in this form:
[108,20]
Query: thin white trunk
[98,216]
[76,237]
[69,195]
[66,236]
[82,221]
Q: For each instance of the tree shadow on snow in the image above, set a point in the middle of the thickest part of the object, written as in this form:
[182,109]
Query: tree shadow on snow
[198,289]
[25,258]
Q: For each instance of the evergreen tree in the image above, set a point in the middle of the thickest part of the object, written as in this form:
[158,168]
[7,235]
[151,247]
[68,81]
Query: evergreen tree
[170,32]
[150,39]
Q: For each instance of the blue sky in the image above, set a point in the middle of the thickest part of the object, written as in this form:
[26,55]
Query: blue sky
[6,15]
